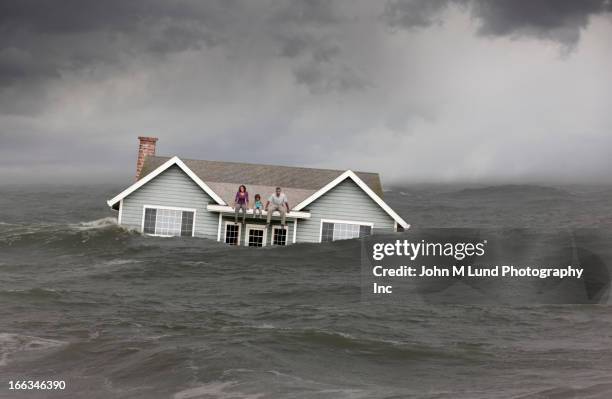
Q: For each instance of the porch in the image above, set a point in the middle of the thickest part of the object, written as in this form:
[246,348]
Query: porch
[254,232]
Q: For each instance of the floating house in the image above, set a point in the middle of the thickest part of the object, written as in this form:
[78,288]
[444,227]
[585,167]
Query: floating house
[195,198]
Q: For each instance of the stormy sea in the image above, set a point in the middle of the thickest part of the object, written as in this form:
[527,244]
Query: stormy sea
[118,315]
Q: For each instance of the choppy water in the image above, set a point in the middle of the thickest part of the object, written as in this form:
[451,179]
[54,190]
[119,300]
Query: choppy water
[117,315]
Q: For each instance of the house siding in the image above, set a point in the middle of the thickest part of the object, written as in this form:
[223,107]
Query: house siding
[346,201]
[175,189]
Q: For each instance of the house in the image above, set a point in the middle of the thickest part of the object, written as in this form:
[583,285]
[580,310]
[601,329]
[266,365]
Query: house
[176,197]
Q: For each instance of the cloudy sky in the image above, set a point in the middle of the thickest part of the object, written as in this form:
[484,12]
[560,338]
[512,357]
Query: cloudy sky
[421,90]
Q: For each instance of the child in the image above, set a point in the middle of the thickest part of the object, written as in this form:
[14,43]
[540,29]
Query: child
[258,206]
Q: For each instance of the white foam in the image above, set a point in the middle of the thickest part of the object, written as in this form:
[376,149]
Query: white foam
[216,390]
[120,262]
[96,224]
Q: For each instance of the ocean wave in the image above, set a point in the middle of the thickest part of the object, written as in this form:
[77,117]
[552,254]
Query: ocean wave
[102,223]
[120,262]
[61,235]
[512,189]
[33,294]
[373,346]
[13,344]
[217,390]
[596,391]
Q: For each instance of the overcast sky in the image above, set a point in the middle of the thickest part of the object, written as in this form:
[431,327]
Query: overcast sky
[438,91]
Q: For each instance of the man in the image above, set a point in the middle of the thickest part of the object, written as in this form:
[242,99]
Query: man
[277,202]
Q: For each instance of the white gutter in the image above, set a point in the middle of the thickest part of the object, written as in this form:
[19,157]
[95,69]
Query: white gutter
[229,209]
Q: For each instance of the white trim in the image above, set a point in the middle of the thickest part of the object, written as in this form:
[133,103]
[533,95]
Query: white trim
[261,227]
[143,220]
[219,228]
[348,222]
[321,231]
[239,231]
[294,239]
[172,208]
[120,216]
[334,221]
[279,227]
[350,174]
[172,161]
[229,209]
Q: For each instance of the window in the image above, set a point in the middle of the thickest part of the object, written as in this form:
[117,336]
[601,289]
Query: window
[345,231]
[255,235]
[165,221]
[327,232]
[364,230]
[256,238]
[187,224]
[149,220]
[168,222]
[341,230]
[232,233]
[279,236]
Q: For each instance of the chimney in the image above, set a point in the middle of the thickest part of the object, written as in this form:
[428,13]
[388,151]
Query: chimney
[146,147]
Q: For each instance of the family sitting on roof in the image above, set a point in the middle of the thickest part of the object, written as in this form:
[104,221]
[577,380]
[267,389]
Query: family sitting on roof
[276,202]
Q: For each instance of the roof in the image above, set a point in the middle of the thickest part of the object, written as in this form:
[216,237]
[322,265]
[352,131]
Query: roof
[219,180]
[298,183]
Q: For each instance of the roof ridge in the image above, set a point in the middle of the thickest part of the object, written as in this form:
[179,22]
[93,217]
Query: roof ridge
[268,165]
[215,182]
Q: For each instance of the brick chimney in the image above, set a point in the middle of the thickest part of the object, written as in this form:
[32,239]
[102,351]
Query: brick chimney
[146,147]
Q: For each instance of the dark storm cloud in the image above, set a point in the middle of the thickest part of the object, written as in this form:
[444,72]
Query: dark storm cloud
[257,79]
[318,68]
[316,12]
[78,16]
[414,13]
[45,37]
[305,30]
[325,79]
[321,49]
[559,20]
[42,41]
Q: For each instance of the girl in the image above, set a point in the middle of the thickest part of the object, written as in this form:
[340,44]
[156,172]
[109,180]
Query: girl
[241,201]
[258,206]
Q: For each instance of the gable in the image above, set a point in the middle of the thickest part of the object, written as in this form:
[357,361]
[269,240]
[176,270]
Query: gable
[160,169]
[173,189]
[350,175]
[348,201]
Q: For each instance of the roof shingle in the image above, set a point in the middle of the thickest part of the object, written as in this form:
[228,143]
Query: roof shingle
[298,183]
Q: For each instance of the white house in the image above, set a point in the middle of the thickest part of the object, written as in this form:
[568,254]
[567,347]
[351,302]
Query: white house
[175,197]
